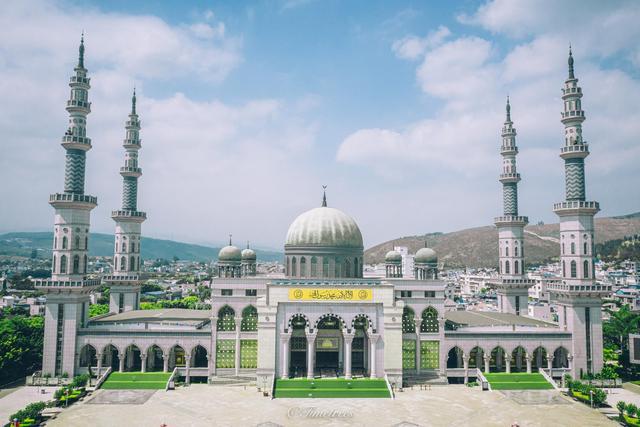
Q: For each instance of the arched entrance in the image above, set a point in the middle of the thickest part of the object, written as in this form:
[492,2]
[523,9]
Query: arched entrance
[328,343]
[561,358]
[155,360]
[88,357]
[132,360]
[497,362]
[110,358]
[199,357]
[454,358]
[176,357]
[298,347]
[359,346]
[539,358]
[518,360]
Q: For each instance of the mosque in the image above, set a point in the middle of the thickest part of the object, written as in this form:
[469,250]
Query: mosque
[322,318]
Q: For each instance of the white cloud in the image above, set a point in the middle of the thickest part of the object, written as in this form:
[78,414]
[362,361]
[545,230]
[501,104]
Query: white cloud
[413,47]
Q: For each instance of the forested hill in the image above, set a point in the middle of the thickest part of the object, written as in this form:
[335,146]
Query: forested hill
[24,243]
[478,247]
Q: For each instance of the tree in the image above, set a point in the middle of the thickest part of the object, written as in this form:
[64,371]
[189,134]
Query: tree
[98,309]
[151,287]
[631,409]
[622,407]
[616,330]
[21,340]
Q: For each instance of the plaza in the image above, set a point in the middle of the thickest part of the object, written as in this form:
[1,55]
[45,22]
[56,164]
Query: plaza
[202,405]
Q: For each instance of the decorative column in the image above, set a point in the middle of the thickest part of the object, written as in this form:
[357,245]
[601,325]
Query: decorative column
[311,353]
[528,358]
[465,364]
[237,355]
[285,339]
[187,376]
[348,340]
[373,341]
[99,357]
[507,360]
[418,323]
[143,362]
[121,358]
[487,360]
[549,363]
[211,356]
[165,362]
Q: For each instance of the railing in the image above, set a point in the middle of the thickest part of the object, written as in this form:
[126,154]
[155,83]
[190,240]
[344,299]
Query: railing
[124,278]
[509,149]
[76,103]
[509,176]
[129,169]
[511,218]
[132,142]
[47,283]
[572,113]
[391,393]
[171,381]
[76,79]
[102,378]
[482,380]
[572,90]
[77,139]
[72,197]
[577,148]
[579,288]
[548,378]
[576,204]
[129,213]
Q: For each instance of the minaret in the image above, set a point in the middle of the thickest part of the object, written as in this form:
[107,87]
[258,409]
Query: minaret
[512,288]
[125,281]
[578,296]
[67,307]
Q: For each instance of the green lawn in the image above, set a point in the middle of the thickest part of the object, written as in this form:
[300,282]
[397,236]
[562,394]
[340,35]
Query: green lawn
[331,388]
[136,380]
[504,381]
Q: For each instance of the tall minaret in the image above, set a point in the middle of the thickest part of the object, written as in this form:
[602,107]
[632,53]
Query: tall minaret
[68,288]
[578,296]
[512,288]
[125,281]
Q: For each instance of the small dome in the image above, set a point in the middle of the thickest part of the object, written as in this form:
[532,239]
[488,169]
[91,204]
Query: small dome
[426,255]
[229,253]
[393,256]
[248,254]
[324,227]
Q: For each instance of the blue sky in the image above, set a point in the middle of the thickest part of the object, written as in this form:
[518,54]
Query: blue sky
[249,107]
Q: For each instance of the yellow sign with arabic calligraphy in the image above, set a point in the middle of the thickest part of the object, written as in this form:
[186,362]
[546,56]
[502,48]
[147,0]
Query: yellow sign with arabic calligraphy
[330,294]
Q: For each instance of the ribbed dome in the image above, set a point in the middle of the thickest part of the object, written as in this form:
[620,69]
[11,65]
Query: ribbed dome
[393,256]
[248,254]
[229,253]
[325,227]
[426,255]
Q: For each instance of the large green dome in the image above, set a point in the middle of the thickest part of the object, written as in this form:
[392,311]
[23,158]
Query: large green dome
[425,256]
[324,227]
[229,253]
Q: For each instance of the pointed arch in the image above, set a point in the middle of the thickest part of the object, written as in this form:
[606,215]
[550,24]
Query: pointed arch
[132,360]
[476,357]
[455,358]
[155,358]
[430,321]
[518,359]
[298,321]
[561,358]
[76,264]
[88,356]
[408,320]
[249,321]
[497,361]
[539,358]
[63,264]
[199,357]
[226,319]
[330,321]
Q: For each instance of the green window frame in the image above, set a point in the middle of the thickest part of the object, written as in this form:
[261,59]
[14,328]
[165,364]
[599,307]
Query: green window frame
[226,354]
[408,354]
[249,354]
[429,354]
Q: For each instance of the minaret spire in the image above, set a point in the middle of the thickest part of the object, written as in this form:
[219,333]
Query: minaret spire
[508,110]
[81,52]
[571,75]
[324,196]
[230,242]
[133,101]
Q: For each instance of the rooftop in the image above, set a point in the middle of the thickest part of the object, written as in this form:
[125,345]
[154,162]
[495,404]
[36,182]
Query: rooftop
[161,314]
[485,318]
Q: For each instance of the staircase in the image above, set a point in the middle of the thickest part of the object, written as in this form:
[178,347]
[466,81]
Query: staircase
[424,378]
[242,380]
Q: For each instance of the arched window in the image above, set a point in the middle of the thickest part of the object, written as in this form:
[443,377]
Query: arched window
[294,267]
[356,267]
[564,269]
[84,267]
[63,264]
[347,268]
[133,247]
[574,269]
[515,251]
[132,264]
[507,267]
[314,267]
[77,242]
[515,267]
[429,320]
[76,264]
[303,267]
[337,272]
[506,251]
[585,248]
[288,266]
[86,243]
[562,246]
[249,319]
[64,242]
[55,242]
[585,267]
[124,246]
[325,266]
[53,267]
[123,263]
[408,323]
[573,248]
[226,319]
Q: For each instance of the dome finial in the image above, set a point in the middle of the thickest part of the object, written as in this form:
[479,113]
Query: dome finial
[324,196]
[508,109]
[81,51]
[133,101]
[248,245]
[571,75]
[230,235]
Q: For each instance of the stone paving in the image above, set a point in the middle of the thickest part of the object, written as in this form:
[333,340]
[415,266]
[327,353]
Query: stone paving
[202,405]
[12,400]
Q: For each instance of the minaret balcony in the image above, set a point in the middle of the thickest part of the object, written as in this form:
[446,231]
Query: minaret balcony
[511,220]
[132,124]
[572,90]
[573,207]
[80,80]
[508,149]
[131,143]
[73,200]
[574,151]
[128,215]
[589,290]
[70,285]
[509,177]
[76,142]
[131,171]
[572,115]
[75,105]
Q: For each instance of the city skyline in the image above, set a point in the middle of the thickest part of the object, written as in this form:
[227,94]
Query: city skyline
[233,142]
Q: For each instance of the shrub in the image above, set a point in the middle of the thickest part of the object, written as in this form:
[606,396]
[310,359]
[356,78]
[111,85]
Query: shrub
[32,410]
[80,381]
[621,407]
[65,375]
[631,409]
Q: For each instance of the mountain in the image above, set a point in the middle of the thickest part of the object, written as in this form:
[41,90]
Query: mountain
[23,244]
[478,247]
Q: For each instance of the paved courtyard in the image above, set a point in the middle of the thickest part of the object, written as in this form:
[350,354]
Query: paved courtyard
[12,400]
[202,405]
